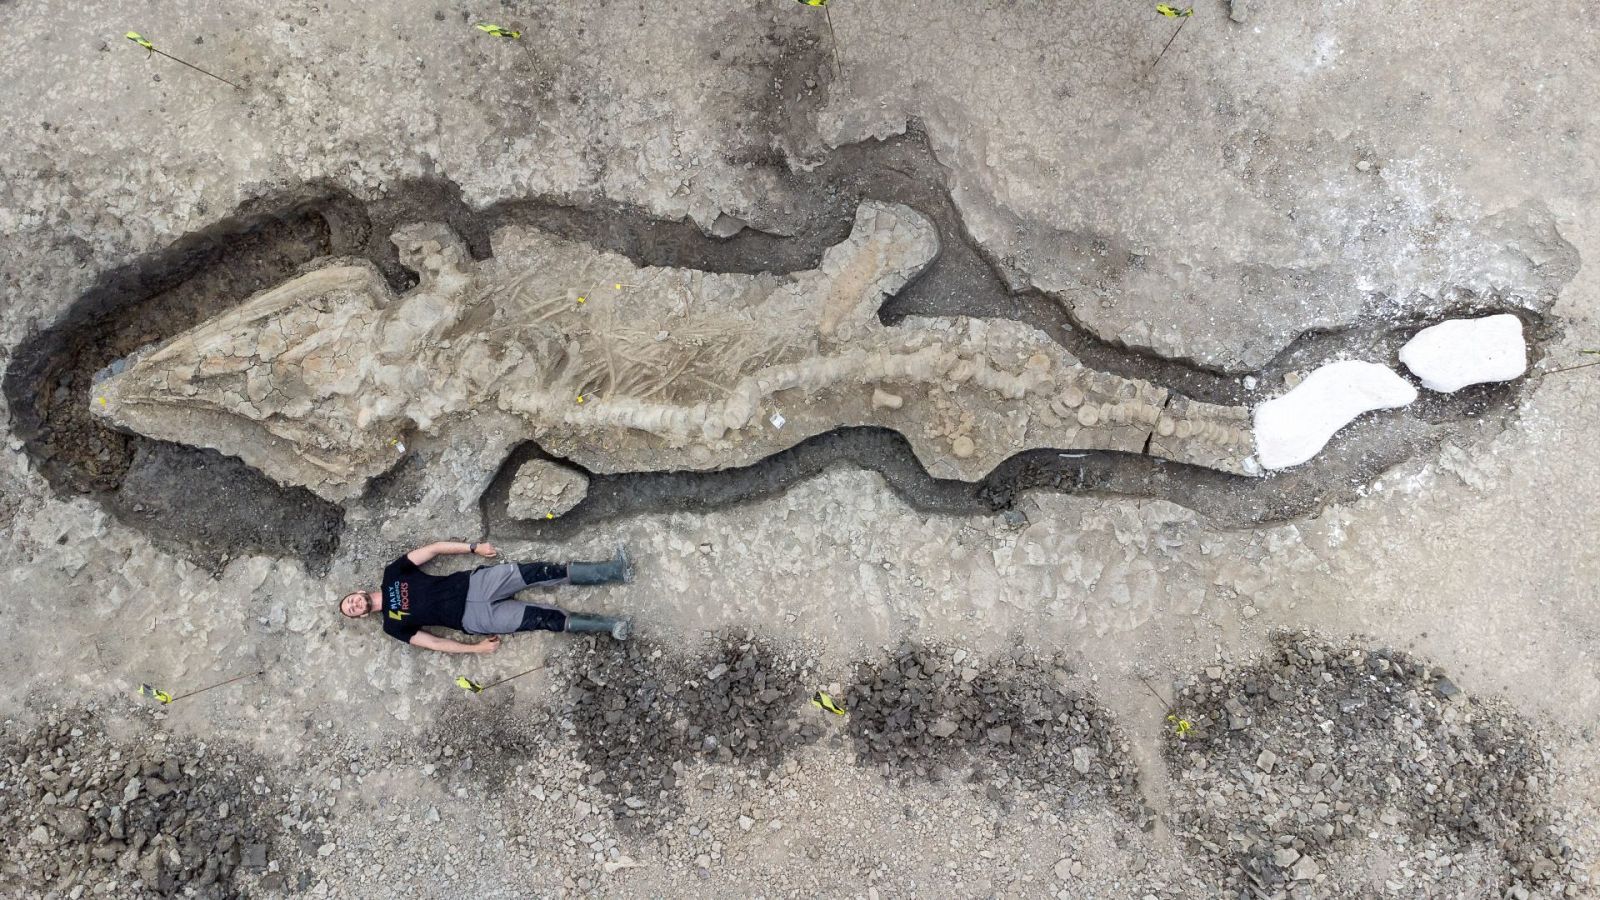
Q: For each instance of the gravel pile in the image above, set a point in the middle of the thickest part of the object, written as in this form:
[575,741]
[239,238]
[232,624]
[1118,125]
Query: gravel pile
[1331,770]
[87,815]
[642,713]
[922,712]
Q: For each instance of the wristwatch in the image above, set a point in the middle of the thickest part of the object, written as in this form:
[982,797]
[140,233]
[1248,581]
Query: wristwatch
[472,547]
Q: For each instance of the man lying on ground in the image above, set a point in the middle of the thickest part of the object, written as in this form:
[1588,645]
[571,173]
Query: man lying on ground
[480,601]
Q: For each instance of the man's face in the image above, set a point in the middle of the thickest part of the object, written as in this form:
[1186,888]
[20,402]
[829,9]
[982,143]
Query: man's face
[359,604]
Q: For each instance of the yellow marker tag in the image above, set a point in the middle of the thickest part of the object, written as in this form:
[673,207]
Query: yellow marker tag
[580,398]
[1180,727]
[137,38]
[580,300]
[821,700]
[102,401]
[549,515]
[497,31]
[1172,12]
[815,2]
[146,690]
[467,684]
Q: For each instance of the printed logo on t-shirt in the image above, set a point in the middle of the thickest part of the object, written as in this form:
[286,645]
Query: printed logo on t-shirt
[397,600]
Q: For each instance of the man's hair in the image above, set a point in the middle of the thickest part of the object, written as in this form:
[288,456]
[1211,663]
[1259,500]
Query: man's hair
[361,594]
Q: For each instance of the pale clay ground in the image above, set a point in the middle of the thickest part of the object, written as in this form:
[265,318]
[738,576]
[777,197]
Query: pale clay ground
[1479,558]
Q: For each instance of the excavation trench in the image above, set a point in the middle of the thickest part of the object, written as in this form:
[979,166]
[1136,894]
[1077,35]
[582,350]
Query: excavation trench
[209,506]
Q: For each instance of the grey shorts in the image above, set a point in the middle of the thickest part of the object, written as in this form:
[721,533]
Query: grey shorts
[490,609]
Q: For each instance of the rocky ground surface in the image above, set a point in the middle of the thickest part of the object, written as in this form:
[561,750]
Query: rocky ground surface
[1334,770]
[144,814]
[1321,769]
[1291,182]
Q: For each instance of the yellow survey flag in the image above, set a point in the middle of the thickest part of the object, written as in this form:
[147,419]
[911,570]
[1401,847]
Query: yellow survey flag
[497,31]
[1172,12]
[138,38]
[146,690]
[821,700]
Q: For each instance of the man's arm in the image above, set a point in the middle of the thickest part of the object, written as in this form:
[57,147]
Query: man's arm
[444,645]
[423,554]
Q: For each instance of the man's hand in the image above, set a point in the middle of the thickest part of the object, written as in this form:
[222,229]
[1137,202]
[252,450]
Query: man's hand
[487,646]
[487,551]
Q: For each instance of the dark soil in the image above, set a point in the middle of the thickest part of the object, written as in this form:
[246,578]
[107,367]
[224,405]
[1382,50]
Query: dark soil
[1368,749]
[642,714]
[150,818]
[1010,723]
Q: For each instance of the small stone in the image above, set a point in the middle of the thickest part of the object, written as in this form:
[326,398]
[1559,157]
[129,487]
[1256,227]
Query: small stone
[254,856]
[1306,869]
[943,728]
[72,824]
[326,850]
[1284,857]
[882,399]
[431,816]
[1064,869]
[1364,165]
[39,835]
[1000,734]
[746,823]
[1446,689]
[962,447]
[1080,760]
[1266,761]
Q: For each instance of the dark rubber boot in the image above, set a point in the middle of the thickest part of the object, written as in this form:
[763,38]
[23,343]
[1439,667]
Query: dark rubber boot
[613,571]
[583,623]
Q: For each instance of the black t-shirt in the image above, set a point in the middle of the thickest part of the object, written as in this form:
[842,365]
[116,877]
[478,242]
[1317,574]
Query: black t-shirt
[412,598]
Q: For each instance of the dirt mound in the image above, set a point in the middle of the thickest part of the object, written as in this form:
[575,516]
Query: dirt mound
[925,711]
[1331,770]
[84,813]
[643,714]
